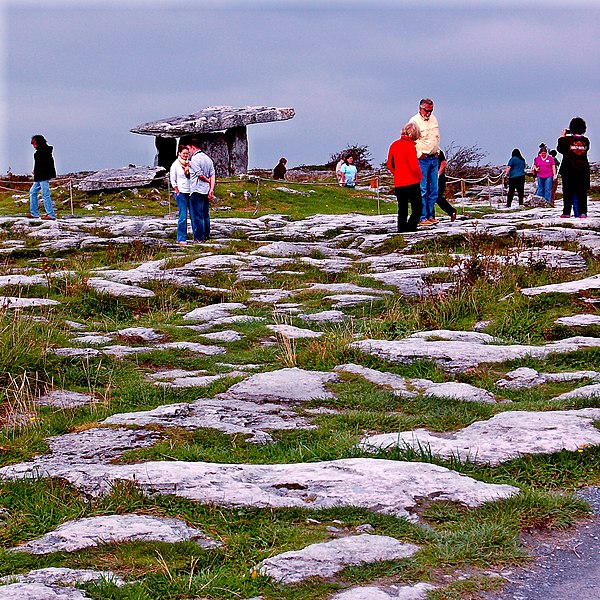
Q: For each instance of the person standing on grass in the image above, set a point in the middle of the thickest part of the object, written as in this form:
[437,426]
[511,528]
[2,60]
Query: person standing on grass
[280,169]
[349,173]
[179,175]
[515,171]
[202,187]
[428,149]
[43,171]
[338,169]
[575,168]
[403,164]
[441,199]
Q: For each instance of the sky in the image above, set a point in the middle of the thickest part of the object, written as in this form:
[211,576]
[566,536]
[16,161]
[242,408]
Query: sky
[503,75]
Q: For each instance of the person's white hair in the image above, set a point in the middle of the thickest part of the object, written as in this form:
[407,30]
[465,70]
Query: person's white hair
[412,131]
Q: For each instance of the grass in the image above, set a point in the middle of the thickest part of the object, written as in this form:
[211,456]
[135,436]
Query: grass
[453,539]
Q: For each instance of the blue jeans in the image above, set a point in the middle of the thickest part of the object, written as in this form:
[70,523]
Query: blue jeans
[429,185]
[182,204]
[199,216]
[544,187]
[34,207]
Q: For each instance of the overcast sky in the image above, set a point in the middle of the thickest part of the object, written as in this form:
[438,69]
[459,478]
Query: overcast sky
[502,75]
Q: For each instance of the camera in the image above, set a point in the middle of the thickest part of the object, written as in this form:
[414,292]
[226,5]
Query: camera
[567,132]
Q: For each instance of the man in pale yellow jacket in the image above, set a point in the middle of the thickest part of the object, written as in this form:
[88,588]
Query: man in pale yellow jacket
[428,148]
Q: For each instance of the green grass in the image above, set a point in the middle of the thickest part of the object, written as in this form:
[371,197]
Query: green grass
[454,538]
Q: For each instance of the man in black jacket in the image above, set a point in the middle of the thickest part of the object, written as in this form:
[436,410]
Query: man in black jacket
[43,171]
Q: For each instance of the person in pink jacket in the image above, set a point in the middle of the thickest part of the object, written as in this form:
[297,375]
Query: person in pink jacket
[403,163]
[544,168]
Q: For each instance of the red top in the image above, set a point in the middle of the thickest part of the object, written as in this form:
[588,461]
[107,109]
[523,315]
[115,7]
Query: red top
[403,162]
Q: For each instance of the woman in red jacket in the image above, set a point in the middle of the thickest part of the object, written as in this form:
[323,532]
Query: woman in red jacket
[403,164]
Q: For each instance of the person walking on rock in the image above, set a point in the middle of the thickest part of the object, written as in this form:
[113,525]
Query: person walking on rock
[515,171]
[428,148]
[179,175]
[545,169]
[43,171]
[575,168]
[402,162]
[202,186]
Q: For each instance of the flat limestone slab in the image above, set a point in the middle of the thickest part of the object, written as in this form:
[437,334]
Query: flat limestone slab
[125,177]
[579,320]
[393,592]
[213,312]
[409,388]
[524,377]
[14,302]
[460,356]
[294,333]
[64,399]
[327,558]
[92,446]
[587,391]
[283,385]
[39,591]
[95,531]
[570,287]
[386,486]
[505,436]
[63,576]
[119,290]
[227,415]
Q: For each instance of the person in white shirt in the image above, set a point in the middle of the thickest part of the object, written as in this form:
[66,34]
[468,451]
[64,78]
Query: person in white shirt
[180,182]
[428,148]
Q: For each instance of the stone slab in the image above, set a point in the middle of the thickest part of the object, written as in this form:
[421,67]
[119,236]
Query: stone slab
[213,118]
[505,436]
[125,177]
[96,531]
[325,559]
[461,356]
[39,591]
[227,415]
[9,302]
[64,399]
[418,591]
[386,486]
[570,287]
[63,576]
[290,385]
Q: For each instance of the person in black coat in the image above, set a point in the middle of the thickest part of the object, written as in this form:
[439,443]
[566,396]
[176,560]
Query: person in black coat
[43,171]
[575,168]
[280,169]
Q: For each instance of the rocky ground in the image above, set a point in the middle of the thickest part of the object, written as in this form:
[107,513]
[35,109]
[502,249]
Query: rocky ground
[259,400]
